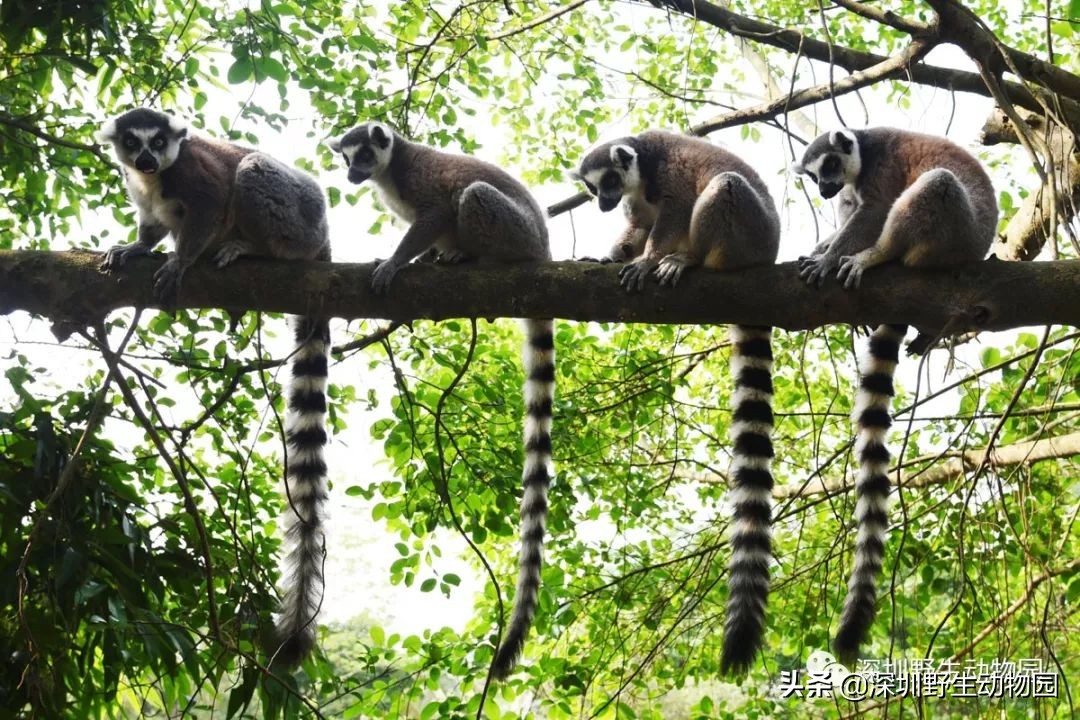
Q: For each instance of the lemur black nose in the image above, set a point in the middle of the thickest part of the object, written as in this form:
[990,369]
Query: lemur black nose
[146,162]
[828,190]
[357,176]
[607,203]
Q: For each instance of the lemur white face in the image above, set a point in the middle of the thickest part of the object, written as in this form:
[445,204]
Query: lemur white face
[610,173]
[832,161]
[366,149]
[145,140]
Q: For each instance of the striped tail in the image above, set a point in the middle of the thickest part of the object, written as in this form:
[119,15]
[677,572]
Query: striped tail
[539,361]
[871,414]
[306,493]
[751,495]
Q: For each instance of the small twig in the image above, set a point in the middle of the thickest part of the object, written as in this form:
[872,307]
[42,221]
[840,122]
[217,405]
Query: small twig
[885,17]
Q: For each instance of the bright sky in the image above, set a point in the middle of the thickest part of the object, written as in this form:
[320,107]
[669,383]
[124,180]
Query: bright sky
[357,579]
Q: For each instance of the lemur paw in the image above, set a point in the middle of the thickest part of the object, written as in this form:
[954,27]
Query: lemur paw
[117,255]
[167,282]
[671,268]
[633,275]
[228,253]
[383,276]
[815,268]
[850,271]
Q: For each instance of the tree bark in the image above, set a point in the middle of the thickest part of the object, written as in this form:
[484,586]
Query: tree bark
[69,288]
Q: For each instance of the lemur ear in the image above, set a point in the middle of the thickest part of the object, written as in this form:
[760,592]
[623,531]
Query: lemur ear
[797,168]
[177,126]
[380,134]
[334,144]
[842,139]
[575,175]
[107,133]
[623,156]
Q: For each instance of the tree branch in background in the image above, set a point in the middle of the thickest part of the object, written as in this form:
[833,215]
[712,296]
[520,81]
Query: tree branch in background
[1021,453]
[1029,229]
[40,134]
[773,91]
[889,67]
[886,17]
[960,26]
[852,60]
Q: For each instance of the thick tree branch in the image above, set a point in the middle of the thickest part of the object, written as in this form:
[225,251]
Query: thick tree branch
[992,295]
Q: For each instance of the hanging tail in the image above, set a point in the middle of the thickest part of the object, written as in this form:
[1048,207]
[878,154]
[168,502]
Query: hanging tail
[539,362]
[306,493]
[751,495]
[871,414]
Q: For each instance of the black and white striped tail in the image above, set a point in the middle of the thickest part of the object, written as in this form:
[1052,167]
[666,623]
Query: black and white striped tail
[539,361]
[306,492]
[751,495]
[871,414]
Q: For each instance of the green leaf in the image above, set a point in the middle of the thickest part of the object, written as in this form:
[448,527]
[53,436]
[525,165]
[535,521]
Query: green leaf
[240,71]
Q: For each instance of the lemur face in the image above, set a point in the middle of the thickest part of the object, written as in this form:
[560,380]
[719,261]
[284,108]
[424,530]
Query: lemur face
[609,172]
[366,150]
[832,161]
[144,139]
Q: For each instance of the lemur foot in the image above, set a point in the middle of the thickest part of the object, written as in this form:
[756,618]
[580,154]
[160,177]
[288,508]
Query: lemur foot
[451,257]
[815,268]
[384,275]
[633,275]
[167,282]
[228,253]
[671,268]
[850,271]
[431,255]
[117,255]
[921,344]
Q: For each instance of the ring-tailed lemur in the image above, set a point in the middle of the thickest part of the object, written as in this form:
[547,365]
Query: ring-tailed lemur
[222,201]
[460,207]
[689,202]
[926,202]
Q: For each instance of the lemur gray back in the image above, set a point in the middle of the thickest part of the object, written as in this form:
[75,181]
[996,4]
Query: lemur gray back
[893,159]
[667,162]
[419,178]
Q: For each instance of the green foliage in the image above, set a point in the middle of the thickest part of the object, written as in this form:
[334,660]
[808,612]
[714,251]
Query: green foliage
[125,609]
